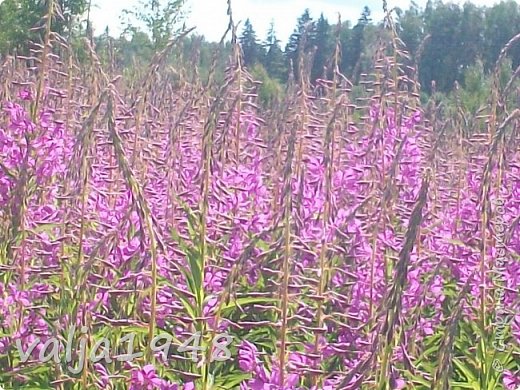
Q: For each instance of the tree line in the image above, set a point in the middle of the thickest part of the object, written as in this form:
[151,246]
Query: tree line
[445,40]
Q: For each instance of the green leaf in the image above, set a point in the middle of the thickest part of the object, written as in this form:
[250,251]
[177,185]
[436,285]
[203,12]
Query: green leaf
[231,381]
[244,301]
[466,370]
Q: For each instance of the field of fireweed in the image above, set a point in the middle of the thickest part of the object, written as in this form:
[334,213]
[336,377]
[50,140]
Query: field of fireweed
[162,231]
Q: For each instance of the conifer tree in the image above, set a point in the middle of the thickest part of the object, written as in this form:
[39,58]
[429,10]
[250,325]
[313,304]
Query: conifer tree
[273,59]
[352,53]
[323,43]
[250,47]
[304,25]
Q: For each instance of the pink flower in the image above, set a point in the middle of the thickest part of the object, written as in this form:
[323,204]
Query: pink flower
[145,379]
[247,356]
[25,94]
[511,380]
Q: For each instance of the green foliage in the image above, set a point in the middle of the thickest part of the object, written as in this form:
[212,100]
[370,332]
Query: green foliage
[356,44]
[501,24]
[19,18]
[440,60]
[159,20]
[274,60]
[305,25]
[411,27]
[249,44]
[473,354]
[138,49]
[323,43]
[270,91]
[16,18]
[476,88]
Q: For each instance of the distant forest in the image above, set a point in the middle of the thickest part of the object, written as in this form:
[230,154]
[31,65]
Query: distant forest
[451,46]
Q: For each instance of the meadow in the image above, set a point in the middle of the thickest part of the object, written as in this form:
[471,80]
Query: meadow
[166,230]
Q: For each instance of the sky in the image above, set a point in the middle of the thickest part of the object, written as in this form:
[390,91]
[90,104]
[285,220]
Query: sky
[211,20]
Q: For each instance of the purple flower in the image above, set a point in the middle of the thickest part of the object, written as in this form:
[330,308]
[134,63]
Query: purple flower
[511,380]
[247,356]
[25,94]
[145,379]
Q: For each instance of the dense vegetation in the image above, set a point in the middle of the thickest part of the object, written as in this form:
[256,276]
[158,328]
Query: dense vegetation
[350,230]
[446,42]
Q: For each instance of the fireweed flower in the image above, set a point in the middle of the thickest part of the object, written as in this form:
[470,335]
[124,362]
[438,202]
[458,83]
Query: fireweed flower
[241,204]
[248,357]
[511,380]
[145,378]
[25,94]
[103,378]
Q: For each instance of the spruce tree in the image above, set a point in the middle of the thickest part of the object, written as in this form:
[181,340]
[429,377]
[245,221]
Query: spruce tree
[273,59]
[293,47]
[249,44]
[354,48]
[323,43]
